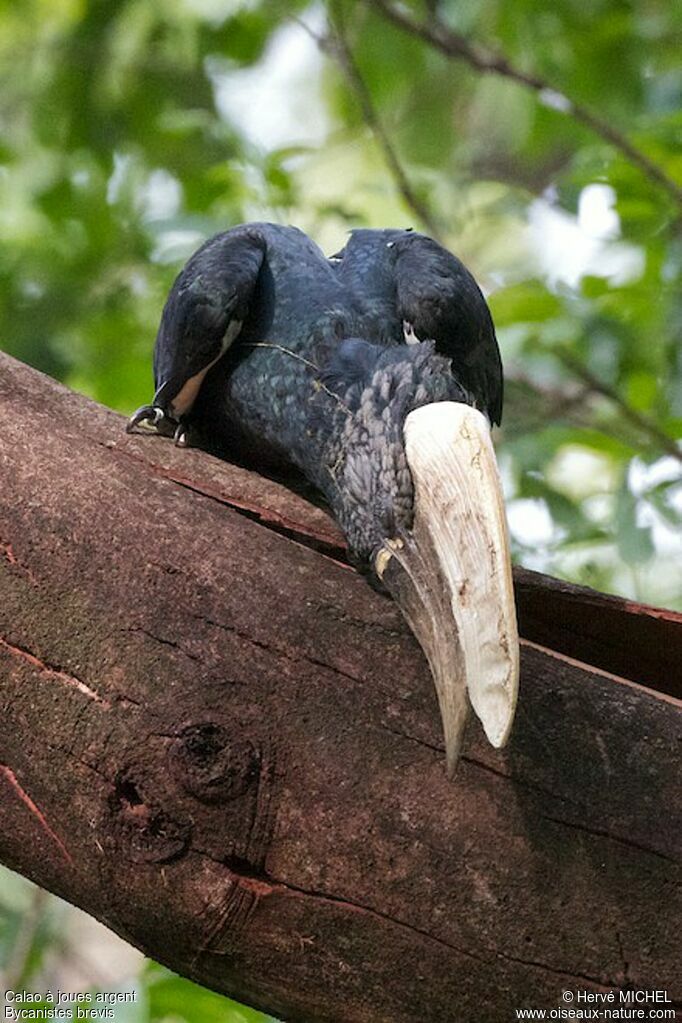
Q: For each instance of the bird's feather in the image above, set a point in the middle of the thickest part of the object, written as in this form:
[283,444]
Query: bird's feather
[412,284]
[211,295]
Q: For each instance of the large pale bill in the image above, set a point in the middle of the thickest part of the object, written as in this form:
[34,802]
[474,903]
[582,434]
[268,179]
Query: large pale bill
[459,601]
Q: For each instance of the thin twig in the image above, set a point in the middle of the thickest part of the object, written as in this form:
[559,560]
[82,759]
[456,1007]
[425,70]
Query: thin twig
[457,47]
[337,46]
[553,403]
[638,419]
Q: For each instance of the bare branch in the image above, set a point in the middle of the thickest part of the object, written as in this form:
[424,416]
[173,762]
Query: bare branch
[457,47]
[337,46]
[642,422]
[529,406]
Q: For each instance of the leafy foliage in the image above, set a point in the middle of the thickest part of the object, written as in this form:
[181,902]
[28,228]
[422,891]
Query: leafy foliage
[37,955]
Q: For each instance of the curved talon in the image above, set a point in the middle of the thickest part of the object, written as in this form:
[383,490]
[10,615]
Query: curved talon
[150,414]
[180,437]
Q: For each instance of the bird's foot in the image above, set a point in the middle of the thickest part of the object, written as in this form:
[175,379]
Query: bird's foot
[153,419]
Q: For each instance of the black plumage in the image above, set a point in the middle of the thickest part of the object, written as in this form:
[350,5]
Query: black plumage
[403,279]
[321,358]
[278,356]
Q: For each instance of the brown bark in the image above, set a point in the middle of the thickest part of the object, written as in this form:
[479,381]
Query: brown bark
[216,738]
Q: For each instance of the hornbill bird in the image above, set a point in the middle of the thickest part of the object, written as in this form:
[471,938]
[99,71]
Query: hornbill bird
[376,373]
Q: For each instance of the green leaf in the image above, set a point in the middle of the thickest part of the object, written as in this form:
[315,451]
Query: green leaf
[169,995]
[642,389]
[529,302]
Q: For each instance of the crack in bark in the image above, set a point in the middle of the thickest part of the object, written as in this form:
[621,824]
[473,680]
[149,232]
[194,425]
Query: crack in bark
[374,627]
[262,885]
[23,795]
[267,517]
[358,907]
[557,971]
[53,672]
[164,642]
[512,779]
[68,752]
[8,552]
[270,520]
[520,783]
[598,833]
[129,701]
[440,750]
[278,651]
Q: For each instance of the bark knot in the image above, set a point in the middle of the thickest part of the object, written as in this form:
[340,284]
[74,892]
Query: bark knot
[144,830]
[212,764]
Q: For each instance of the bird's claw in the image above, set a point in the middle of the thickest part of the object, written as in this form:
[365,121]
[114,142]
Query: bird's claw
[180,437]
[153,419]
[147,416]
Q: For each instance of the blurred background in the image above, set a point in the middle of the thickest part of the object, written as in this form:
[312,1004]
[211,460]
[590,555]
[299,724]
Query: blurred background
[540,142]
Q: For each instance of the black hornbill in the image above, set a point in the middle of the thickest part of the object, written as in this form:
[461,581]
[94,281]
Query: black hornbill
[377,374]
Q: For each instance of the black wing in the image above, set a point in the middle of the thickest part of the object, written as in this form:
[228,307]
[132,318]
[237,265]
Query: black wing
[441,301]
[418,290]
[203,314]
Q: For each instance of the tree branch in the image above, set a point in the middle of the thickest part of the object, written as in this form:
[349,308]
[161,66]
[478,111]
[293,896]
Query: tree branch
[247,772]
[457,47]
[336,45]
[643,423]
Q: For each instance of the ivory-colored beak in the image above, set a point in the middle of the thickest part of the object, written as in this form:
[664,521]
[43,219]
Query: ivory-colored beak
[451,575]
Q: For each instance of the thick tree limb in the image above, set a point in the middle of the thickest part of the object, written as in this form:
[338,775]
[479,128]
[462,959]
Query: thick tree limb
[223,744]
